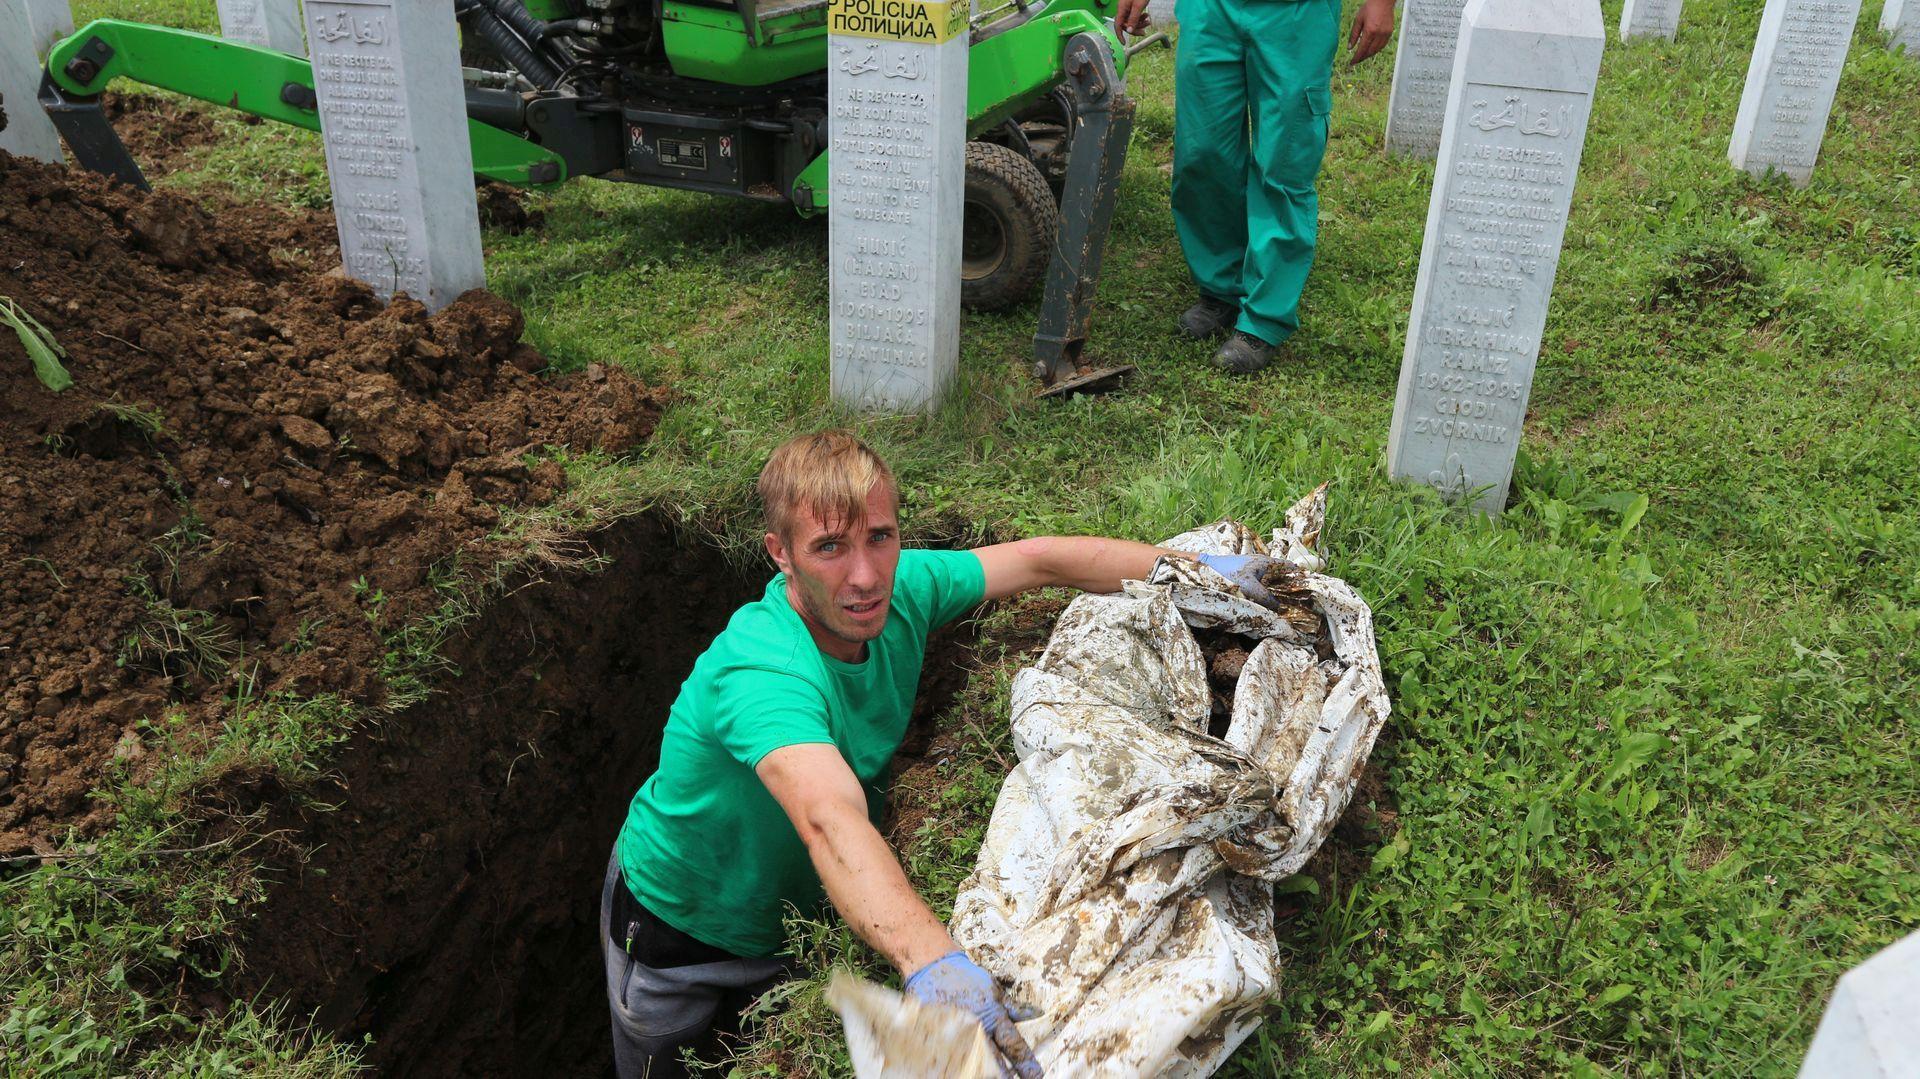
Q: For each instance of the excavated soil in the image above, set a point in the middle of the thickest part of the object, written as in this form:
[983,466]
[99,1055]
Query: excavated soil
[257,468]
[161,131]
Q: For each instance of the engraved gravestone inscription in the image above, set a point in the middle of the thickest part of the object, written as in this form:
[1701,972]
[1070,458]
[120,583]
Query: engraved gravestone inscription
[272,24]
[1516,120]
[1791,80]
[1422,67]
[1900,20]
[28,131]
[393,119]
[897,90]
[1650,18]
[48,21]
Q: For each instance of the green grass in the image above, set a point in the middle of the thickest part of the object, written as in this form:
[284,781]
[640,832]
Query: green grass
[1652,752]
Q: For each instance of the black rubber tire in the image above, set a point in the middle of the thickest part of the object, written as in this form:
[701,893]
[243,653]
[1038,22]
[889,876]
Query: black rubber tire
[1008,233]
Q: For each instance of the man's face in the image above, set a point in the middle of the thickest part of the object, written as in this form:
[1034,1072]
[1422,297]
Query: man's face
[840,579]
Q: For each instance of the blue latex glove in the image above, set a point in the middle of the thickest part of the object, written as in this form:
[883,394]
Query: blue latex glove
[1247,572]
[954,979]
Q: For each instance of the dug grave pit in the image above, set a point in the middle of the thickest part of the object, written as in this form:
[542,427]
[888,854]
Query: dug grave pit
[448,907]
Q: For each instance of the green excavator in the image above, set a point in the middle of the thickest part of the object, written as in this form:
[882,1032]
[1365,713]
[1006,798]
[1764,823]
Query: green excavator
[649,91]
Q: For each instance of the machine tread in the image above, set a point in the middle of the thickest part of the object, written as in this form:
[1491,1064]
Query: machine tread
[1003,179]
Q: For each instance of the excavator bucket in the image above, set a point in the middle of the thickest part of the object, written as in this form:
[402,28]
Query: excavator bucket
[1103,116]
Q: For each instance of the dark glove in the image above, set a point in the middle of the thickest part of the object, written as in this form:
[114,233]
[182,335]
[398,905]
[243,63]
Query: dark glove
[954,979]
[1248,572]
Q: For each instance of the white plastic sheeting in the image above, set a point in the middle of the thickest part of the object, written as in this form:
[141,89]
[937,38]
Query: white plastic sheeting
[1124,887]
[893,1034]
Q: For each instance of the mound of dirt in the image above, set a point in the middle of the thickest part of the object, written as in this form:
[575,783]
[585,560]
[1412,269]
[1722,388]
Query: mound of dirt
[257,468]
[161,130]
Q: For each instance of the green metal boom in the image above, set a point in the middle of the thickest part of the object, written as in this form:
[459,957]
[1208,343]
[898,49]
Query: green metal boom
[248,78]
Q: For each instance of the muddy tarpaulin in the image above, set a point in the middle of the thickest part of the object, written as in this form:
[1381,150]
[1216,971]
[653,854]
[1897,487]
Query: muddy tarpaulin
[1125,885]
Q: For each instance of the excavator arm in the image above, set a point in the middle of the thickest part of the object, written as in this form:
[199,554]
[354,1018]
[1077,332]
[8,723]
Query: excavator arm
[265,83]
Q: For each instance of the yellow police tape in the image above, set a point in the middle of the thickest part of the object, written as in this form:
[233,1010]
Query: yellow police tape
[920,21]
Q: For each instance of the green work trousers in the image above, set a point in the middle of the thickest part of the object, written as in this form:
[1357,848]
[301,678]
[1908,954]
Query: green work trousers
[1252,90]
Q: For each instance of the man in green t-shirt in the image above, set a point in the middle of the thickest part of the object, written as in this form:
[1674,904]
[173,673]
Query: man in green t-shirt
[771,764]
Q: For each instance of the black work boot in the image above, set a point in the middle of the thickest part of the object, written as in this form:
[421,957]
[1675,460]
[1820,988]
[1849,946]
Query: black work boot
[1211,317]
[1243,354]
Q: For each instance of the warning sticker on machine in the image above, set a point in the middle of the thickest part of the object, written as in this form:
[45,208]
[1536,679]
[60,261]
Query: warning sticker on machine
[925,21]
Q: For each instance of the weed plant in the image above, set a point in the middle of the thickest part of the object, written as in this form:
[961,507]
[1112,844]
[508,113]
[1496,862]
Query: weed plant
[43,351]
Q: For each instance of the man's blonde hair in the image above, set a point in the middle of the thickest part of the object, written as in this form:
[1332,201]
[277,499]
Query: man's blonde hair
[828,472]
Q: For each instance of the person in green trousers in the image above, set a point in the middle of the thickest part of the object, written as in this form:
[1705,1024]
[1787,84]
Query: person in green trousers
[1252,92]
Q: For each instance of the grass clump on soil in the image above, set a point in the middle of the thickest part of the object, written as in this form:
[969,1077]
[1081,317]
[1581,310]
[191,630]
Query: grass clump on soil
[175,643]
[1649,786]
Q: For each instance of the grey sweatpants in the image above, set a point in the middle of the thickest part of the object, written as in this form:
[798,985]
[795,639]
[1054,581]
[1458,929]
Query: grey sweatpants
[656,1011]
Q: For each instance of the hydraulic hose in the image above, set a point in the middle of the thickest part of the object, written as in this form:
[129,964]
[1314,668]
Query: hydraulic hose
[516,15]
[511,49]
[568,28]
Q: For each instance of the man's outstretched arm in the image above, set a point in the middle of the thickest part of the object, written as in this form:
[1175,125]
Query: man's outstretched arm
[1089,563]
[828,808]
[864,880]
[1093,564]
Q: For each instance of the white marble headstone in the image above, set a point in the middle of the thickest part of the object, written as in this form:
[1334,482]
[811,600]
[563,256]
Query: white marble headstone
[1509,153]
[1900,19]
[28,132]
[48,21]
[1868,1031]
[897,93]
[272,24]
[1422,67]
[393,118]
[1791,81]
[1650,18]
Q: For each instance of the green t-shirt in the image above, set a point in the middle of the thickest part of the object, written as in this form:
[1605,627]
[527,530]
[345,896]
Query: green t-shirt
[705,846]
